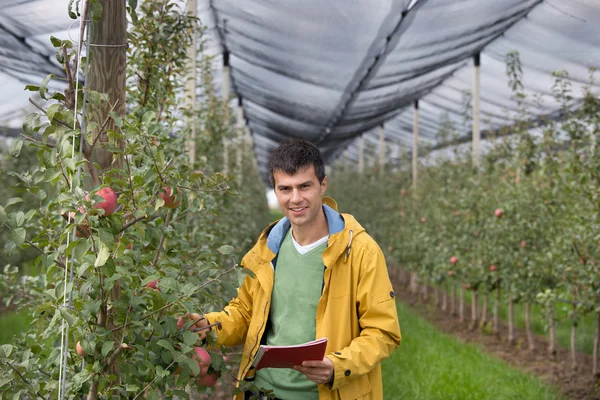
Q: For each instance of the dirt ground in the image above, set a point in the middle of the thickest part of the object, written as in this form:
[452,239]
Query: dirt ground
[576,383]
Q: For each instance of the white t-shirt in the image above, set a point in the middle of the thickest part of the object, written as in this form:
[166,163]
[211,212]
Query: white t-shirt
[305,249]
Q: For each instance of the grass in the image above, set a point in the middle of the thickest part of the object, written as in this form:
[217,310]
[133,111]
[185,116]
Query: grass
[13,323]
[586,326]
[432,365]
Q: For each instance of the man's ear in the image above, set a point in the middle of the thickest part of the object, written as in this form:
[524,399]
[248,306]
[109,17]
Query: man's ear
[323,186]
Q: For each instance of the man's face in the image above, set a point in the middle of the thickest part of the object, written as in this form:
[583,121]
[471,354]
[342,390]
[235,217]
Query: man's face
[299,195]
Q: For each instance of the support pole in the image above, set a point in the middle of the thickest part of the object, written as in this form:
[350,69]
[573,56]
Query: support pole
[226,78]
[381,149]
[190,86]
[361,155]
[240,141]
[225,97]
[415,153]
[476,129]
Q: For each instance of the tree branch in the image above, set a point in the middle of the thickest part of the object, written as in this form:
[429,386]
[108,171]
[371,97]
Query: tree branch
[177,300]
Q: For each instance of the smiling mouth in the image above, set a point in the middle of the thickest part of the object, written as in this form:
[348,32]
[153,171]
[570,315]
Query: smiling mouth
[298,209]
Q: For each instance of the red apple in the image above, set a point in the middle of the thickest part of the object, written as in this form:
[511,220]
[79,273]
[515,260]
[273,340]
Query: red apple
[498,213]
[402,213]
[457,213]
[202,357]
[79,350]
[523,244]
[109,205]
[453,260]
[582,260]
[403,192]
[152,285]
[423,219]
[492,268]
[208,380]
[170,201]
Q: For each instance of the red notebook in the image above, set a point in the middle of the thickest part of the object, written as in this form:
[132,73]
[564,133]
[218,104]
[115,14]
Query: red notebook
[288,356]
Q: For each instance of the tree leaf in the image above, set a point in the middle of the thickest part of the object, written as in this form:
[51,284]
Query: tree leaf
[165,344]
[106,348]
[15,148]
[67,316]
[18,236]
[225,250]
[2,216]
[12,201]
[20,218]
[103,255]
[106,237]
[7,349]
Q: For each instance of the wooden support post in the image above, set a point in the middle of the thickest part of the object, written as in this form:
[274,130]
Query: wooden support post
[415,153]
[476,130]
[381,150]
[240,142]
[190,86]
[107,74]
[226,78]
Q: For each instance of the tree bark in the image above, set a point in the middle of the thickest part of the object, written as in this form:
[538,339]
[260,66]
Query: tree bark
[461,305]
[573,337]
[495,317]
[484,310]
[530,341]
[511,328]
[596,372]
[445,297]
[425,289]
[551,334]
[474,303]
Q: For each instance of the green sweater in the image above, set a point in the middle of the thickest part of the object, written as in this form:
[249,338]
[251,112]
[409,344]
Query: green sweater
[296,294]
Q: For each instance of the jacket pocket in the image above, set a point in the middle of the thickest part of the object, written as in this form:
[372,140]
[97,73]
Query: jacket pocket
[356,388]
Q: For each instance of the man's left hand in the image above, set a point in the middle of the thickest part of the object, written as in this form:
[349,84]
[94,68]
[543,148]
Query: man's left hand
[317,371]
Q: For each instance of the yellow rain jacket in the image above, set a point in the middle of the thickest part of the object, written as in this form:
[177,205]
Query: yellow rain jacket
[356,311]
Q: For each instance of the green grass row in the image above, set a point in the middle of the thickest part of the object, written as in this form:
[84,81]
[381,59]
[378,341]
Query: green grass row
[432,365]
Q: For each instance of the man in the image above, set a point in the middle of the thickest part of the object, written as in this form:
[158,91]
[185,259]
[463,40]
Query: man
[317,274]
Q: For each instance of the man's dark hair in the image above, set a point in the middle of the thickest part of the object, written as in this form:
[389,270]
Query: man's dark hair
[294,155]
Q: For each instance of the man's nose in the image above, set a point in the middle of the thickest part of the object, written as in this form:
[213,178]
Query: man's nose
[296,196]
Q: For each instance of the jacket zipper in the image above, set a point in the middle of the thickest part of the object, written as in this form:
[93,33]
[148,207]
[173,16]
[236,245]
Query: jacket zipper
[252,353]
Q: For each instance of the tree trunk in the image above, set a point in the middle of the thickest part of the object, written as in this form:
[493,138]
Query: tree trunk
[474,302]
[495,329]
[596,372]
[484,310]
[436,296]
[452,299]
[551,334]
[414,285]
[445,297]
[511,328]
[573,337]
[425,290]
[461,305]
[530,340]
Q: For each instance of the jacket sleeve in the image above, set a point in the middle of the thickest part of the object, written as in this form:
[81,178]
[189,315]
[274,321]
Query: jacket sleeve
[378,320]
[235,317]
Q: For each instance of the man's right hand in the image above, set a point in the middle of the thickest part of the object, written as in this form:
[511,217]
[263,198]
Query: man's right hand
[201,323]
